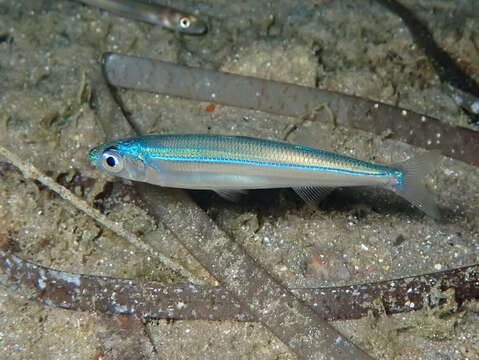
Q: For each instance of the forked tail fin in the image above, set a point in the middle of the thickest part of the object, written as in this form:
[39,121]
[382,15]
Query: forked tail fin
[410,184]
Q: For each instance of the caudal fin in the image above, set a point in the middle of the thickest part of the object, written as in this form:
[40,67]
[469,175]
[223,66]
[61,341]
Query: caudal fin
[410,185]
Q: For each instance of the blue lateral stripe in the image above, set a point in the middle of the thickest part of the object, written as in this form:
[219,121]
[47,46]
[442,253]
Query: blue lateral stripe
[264,163]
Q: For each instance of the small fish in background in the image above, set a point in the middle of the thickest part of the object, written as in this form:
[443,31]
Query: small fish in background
[156,14]
[230,165]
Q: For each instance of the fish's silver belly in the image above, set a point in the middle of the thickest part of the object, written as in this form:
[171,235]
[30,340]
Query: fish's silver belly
[217,176]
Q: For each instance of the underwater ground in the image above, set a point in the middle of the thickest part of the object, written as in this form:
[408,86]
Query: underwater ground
[50,55]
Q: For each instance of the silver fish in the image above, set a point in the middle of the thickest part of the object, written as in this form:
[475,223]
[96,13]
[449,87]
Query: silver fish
[152,13]
[231,164]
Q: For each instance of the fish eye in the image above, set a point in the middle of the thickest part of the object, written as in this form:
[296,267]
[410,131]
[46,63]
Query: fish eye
[185,23]
[112,161]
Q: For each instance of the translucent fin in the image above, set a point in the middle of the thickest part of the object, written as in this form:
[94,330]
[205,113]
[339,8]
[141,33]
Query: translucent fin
[410,186]
[231,195]
[312,194]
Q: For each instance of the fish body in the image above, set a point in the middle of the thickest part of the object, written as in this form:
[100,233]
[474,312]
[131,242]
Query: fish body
[232,163]
[152,13]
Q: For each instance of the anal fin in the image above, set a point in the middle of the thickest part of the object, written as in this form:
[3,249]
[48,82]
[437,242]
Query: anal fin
[312,195]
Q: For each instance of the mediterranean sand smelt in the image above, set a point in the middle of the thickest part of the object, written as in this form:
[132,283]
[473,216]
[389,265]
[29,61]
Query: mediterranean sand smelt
[291,100]
[185,301]
[231,164]
[156,14]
